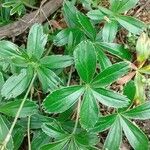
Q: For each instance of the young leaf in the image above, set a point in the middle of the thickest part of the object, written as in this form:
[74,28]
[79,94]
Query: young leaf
[114,137]
[69,12]
[11,108]
[141,112]
[85,60]
[3,133]
[89,110]
[134,135]
[54,131]
[115,49]
[103,123]
[109,31]
[104,61]
[122,6]
[62,99]
[36,41]
[48,79]
[110,98]
[110,74]
[57,61]
[16,84]
[86,26]
[133,25]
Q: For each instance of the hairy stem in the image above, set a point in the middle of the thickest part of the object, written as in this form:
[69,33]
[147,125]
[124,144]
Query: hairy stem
[28,128]
[17,115]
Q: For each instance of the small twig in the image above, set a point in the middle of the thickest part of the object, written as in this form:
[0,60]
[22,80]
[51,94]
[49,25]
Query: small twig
[141,8]
[8,136]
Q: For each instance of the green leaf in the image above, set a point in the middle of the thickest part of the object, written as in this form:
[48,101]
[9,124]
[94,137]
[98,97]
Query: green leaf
[141,112]
[110,98]
[16,84]
[134,135]
[36,41]
[123,5]
[96,15]
[140,88]
[86,26]
[39,140]
[103,123]
[109,31]
[8,50]
[89,110]
[3,133]
[62,38]
[110,74]
[56,145]
[11,108]
[86,138]
[18,136]
[114,138]
[131,24]
[104,61]
[1,84]
[85,60]
[54,131]
[129,90]
[36,121]
[48,79]
[57,61]
[69,13]
[62,99]
[115,49]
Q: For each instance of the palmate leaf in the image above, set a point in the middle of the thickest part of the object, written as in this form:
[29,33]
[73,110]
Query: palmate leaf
[131,24]
[48,79]
[110,98]
[89,110]
[114,136]
[56,61]
[54,131]
[3,133]
[39,140]
[134,135]
[122,6]
[104,123]
[8,50]
[115,49]
[85,60]
[141,112]
[36,41]
[16,84]
[86,26]
[11,108]
[104,61]
[62,99]
[109,31]
[111,74]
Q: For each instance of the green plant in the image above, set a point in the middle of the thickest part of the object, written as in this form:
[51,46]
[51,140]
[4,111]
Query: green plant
[39,101]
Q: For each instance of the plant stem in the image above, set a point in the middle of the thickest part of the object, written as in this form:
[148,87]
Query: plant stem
[17,115]
[69,77]
[77,116]
[28,127]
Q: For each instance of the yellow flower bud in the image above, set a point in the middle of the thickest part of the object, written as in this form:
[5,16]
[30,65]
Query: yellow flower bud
[143,48]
